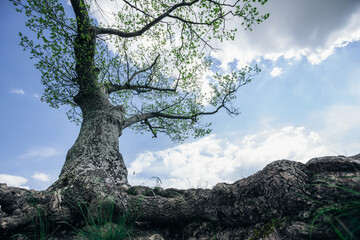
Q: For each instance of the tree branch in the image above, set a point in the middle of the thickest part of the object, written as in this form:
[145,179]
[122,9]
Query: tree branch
[138,88]
[145,116]
[193,117]
[143,70]
[146,121]
[80,11]
[137,33]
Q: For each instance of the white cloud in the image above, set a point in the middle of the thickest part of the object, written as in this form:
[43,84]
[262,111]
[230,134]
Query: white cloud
[211,160]
[41,177]
[36,95]
[143,160]
[296,29]
[339,125]
[41,152]
[17,91]
[14,181]
[276,72]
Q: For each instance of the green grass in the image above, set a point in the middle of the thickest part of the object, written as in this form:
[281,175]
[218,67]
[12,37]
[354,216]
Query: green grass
[267,228]
[41,228]
[342,217]
[101,222]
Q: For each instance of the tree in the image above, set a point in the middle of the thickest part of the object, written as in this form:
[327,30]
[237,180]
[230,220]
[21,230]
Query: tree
[146,69]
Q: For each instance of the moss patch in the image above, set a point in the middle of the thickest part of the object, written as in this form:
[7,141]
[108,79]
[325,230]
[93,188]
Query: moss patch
[267,229]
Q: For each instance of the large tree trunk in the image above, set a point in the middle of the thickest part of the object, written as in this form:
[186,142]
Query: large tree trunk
[95,153]
[96,150]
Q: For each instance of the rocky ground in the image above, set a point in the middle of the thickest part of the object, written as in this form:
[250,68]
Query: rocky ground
[278,202]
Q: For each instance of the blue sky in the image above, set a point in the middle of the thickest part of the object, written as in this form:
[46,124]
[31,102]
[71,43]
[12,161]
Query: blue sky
[304,104]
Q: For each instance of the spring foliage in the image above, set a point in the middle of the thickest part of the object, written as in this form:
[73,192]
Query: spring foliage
[151,57]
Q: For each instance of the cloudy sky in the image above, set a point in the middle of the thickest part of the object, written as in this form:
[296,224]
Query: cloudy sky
[305,103]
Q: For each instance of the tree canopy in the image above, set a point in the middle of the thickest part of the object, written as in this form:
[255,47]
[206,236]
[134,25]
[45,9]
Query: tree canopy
[152,57]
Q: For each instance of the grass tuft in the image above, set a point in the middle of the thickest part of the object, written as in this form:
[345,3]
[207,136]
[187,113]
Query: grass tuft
[342,217]
[102,224]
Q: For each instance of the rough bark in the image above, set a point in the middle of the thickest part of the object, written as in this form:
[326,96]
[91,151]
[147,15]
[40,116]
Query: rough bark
[95,153]
[277,202]
[96,150]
